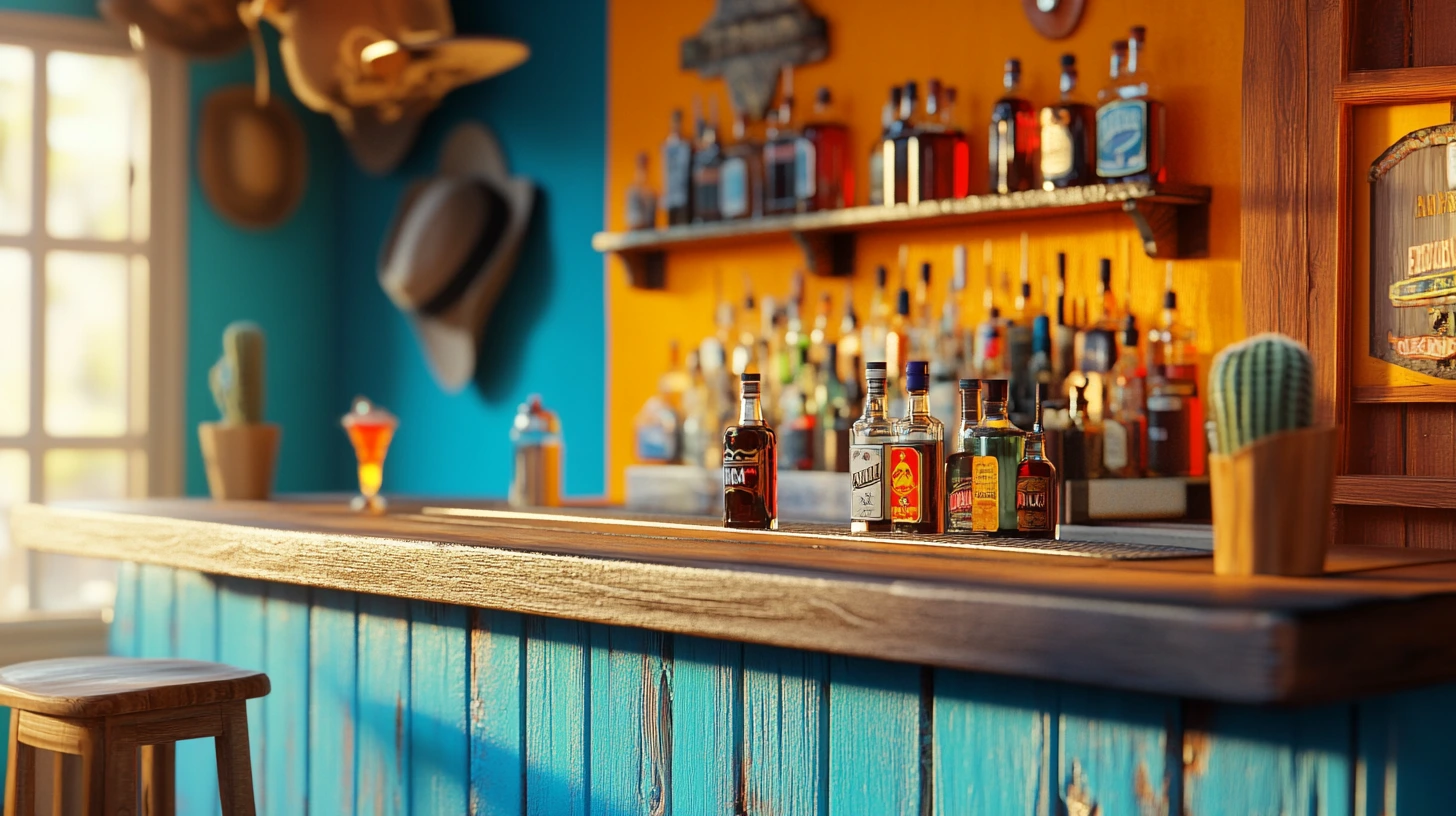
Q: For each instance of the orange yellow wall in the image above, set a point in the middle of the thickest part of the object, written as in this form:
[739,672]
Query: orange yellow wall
[1195,48]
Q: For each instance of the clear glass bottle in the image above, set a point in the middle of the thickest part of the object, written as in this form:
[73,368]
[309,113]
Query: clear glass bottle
[740,190]
[878,325]
[1096,346]
[1068,136]
[1037,485]
[1131,122]
[750,465]
[902,148]
[641,198]
[698,429]
[960,495]
[677,174]
[875,182]
[832,400]
[659,425]
[707,170]
[898,344]
[917,500]
[1014,136]
[824,175]
[780,152]
[998,447]
[870,438]
[1125,426]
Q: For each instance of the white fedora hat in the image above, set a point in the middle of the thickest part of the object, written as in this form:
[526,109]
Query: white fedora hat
[452,247]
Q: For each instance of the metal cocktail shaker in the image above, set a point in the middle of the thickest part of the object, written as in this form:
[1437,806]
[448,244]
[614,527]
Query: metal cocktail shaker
[536,436]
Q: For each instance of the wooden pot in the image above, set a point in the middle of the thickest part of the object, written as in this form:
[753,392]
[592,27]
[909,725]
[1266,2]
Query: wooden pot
[240,459]
[1271,504]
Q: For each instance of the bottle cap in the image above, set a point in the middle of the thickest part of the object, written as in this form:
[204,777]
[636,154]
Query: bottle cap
[1170,299]
[1104,272]
[1069,60]
[880,275]
[993,390]
[895,93]
[917,375]
[1139,34]
[1129,331]
[1013,66]
[874,369]
[1041,339]
[970,385]
[902,303]
[925,272]
[748,376]
[910,90]
[823,96]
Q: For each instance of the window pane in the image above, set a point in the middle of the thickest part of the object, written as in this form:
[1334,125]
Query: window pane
[14,487]
[89,184]
[17,76]
[86,344]
[14,342]
[85,474]
[68,582]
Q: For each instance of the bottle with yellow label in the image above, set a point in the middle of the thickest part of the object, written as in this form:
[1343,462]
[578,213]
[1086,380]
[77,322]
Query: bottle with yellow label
[996,449]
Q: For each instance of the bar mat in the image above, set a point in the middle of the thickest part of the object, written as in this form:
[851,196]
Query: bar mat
[1038,546]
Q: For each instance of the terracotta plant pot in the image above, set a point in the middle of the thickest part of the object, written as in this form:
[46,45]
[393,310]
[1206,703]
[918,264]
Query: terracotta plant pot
[240,459]
[1272,503]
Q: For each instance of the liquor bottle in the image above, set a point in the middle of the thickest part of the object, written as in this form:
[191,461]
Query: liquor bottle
[796,417]
[959,484]
[1014,136]
[850,347]
[1037,486]
[922,322]
[780,152]
[745,349]
[1131,123]
[740,190]
[875,184]
[1172,345]
[1082,442]
[641,198]
[698,430]
[677,174]
[1125,425]
[750,466]
[1064,334]
[878,326]
[917,503]
[1068,136]
[824,175]
[902,151]
[996,451]
[898,343]
[707,170]
[659,425]
[870,439]
[937,149]
[832,399]
[1040,368]
[1176,445]
[820,335]
[1096,345]
[961,147]
[1018,346]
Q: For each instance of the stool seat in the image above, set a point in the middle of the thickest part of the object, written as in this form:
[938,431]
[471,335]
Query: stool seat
[108,686]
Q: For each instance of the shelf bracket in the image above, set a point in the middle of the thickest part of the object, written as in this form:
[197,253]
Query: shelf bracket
[646,269]
[1170,231]
[827,254]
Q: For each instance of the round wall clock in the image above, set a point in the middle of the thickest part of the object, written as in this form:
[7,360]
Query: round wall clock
[1053,19]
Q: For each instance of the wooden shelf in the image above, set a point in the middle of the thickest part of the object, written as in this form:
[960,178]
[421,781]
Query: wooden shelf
[1398,85]
[1171,218]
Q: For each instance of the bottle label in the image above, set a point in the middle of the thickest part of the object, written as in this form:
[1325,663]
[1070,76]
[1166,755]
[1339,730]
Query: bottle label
[907,482]
[1164,404]
[866,478]
[1114,446]
[676,160]
[1122,138]
[1056,149]
[806,182]
[1033,504]
[986,494]
[740,469]
[655,444]
[877,177]
[733,188]
[961,505]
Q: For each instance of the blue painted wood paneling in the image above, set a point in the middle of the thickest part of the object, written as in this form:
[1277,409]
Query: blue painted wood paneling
[384,706]
[557,657]
[122,638]
[196,628]
[707,725]
[1406,742]
[333,697]
[497,714]
[285,710]
[874,737]
[242,641]
[631,723]
[1127,748]
[439,707]
[155,635]
[1243,759]
[785,728]
[993,744]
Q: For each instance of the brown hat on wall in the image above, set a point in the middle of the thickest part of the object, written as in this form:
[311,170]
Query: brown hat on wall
[197,28]
[252,160]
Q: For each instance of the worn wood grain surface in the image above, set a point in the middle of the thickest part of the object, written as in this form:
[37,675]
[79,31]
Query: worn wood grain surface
[333,696]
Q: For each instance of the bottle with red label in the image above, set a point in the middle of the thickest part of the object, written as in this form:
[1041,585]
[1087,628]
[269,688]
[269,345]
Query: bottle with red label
[1037,485]
[917,503]
[750,465]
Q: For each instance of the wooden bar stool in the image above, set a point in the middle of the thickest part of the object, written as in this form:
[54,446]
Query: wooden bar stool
[106,708]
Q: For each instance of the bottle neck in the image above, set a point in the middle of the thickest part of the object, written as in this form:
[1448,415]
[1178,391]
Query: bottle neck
[750,411]
[970,409]
[1069,84]
[918,405]
[995,415]
[1034,445]
[874,407]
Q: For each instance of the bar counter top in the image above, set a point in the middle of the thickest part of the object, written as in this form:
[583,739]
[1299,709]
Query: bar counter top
[1380,620]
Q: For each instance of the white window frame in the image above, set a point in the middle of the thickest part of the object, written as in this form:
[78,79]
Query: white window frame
[165,248]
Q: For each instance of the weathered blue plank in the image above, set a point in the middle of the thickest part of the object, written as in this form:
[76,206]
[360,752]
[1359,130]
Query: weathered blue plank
[874,737]
[1406,741]
[1123,749]
[384,705]
[157,595]
[242,642]
[497,714]
[707,723]
[992,738]
[333,695]
[196,628]
[285,709]
[557,656]
[785,720]
[439,703]
[631,722]
[1243,759]
[123,635]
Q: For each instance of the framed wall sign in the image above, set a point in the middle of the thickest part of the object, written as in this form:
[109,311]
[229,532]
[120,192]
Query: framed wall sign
[747,42]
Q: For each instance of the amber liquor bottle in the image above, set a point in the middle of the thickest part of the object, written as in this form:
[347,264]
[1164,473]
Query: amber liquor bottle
[1037,486]
[917,500]
[1068,136]
[1014,136]
[870,440]
[677,174]
[750,466]
[960,495]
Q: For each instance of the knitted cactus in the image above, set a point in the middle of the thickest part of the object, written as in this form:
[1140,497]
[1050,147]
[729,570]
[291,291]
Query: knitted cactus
[237,378]
[1261,386]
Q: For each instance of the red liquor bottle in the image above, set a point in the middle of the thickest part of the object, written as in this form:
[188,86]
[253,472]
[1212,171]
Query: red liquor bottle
[917,459]
[780,150]
[750,465]
[1037,486]
[824,175]
[939,144]
[1014,136]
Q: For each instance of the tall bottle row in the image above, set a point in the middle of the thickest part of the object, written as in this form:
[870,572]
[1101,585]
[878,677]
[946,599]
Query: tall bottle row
[921,153]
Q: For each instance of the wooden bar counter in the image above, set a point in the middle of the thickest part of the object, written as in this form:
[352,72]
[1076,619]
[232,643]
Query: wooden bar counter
[450,660]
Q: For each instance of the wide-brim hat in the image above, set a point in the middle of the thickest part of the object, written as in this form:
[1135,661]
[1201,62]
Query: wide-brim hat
[452,247]
[197,28]
[252,160]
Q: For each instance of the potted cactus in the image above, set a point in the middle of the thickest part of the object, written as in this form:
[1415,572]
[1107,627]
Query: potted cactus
[1272,470]
[241,450]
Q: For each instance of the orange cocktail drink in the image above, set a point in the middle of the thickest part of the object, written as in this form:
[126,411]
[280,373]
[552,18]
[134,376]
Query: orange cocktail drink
[370,429]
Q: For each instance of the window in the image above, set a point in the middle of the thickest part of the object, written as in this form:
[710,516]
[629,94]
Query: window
[91,166]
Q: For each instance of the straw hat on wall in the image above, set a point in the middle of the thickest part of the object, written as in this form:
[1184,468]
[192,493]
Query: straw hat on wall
[252,160]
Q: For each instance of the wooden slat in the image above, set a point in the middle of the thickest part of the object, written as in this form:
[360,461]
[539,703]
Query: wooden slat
[439,702]
[631,723]
[1404,393]
[157,595]
[1379,34]
[1242,759]
[785,715]
[1430,451]
[1396,491]
[196,628]
[384,704]
[1326,293]
[242,633]
[1402,740]
[333,702]
[557,657]
[497,714]
[1433,33]
[1397,86]
[874,737]
[995,744]
[123,635]
[707,726]
[285,710]
[1115,738]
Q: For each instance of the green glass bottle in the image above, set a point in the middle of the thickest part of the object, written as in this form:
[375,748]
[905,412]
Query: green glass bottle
[997,447]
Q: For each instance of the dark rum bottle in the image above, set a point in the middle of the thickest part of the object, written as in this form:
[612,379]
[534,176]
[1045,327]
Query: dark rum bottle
[750,466]
[740,181]
[1037,486]
[902,151]
[780,150]
[997,448]
[677,174]
[960,492]
[875,182]
[1068,136]
[870,440]
[824,176]
[917,500]
[707,171]
[1014,136]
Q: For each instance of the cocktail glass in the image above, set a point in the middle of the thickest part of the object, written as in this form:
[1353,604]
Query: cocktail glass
[370,429]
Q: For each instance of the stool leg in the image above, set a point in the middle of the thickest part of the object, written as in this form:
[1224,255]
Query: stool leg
[93,774]
[58,784]
[234,766]
[121,773]
[20,773]
[159,779]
